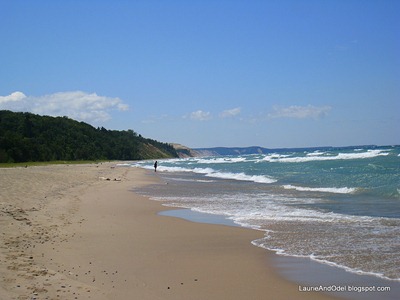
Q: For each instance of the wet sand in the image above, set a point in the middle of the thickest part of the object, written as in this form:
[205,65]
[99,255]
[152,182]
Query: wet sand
[79,232]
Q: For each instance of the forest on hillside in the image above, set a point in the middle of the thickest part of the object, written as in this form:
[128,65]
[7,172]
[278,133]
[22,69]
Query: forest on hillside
[28,137]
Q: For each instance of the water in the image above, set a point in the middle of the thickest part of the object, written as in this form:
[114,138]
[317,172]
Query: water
[337,206]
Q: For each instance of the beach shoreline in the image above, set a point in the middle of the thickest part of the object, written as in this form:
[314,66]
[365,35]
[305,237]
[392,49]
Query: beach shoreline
[307,273]
[80,232]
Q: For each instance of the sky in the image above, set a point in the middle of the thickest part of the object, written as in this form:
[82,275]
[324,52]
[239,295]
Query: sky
[287,73]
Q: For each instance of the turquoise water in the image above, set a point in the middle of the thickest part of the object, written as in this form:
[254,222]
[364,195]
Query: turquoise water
[337,206]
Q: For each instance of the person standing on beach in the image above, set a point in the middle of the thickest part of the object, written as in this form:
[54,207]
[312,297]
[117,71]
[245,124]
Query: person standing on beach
[155,166]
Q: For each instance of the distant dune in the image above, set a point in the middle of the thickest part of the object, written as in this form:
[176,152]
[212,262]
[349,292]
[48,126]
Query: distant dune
[184,151]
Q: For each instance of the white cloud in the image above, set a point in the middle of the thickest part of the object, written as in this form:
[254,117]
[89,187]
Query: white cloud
[16,101]
[300,112]
[199,115]
[16,96]
[230,112]
[78,105]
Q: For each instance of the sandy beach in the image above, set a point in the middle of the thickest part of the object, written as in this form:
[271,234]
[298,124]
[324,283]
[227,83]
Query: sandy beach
[79,232]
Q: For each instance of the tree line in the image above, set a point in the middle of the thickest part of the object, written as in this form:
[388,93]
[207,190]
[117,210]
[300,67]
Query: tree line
[28,137]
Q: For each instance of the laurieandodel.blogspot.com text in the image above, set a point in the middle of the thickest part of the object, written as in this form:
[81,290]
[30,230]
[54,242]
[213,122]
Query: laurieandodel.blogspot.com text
[344,288]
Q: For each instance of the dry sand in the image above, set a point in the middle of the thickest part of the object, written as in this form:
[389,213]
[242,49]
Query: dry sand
[69,233]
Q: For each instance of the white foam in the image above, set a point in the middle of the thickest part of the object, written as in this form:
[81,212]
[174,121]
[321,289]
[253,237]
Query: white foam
[170,169]
[263,244]
[242,176]
[148,167]
[247,210]
[209,172]
[343,190]
[221,160]
[274,157]
[324,156]
[315,153]
[203,170]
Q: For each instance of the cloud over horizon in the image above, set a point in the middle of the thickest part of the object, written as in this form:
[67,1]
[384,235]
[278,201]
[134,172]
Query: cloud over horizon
[230,112]
[199,115]
[78,105]
[299,112]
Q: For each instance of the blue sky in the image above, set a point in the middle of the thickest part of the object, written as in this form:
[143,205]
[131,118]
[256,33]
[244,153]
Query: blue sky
[209,73]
